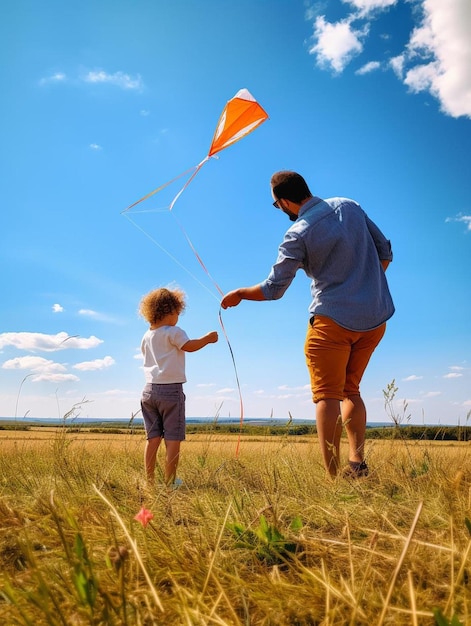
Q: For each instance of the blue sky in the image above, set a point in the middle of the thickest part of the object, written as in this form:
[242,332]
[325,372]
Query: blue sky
[104,101]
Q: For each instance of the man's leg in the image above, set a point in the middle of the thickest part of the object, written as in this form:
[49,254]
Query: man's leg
[353,407]
[354,420]
[327,350]
[329,430]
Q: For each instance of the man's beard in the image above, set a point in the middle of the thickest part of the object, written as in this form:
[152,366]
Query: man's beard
[292,216]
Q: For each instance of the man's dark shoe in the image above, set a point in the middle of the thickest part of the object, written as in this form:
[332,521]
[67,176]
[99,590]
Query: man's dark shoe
[356,469]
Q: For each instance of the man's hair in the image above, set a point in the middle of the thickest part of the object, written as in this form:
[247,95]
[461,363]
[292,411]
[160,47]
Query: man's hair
[290,185]
[159,303]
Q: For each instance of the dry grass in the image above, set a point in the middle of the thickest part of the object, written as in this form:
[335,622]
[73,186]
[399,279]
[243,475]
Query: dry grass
[262,539]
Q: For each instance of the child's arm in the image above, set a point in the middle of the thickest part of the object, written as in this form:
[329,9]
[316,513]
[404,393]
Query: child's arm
[196,344]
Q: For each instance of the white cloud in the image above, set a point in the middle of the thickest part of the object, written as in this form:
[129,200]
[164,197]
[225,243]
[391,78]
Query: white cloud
[453,375]
[432,394]
[97,364]
[412,377]
[88,313]
[57,77]
[336,43]
[436,60]
[96,315]
[95,146]
[442,41]
[57,308]
[47,343]
[118,393]
[421,77]
[366,6]
[41,369]
[464,219]
[54,378]
[32,363]
[397,65]
[368,68]
[118,79]
[302,388]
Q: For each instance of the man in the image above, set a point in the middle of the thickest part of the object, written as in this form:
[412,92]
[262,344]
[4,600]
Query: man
[346,255]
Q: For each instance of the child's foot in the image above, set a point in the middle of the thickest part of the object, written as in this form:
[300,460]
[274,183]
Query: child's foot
[175,484]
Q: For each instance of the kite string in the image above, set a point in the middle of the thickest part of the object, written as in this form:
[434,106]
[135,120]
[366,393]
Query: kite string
[170,255]
[200,260]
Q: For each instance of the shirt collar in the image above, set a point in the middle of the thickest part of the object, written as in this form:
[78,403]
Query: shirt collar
[308,205]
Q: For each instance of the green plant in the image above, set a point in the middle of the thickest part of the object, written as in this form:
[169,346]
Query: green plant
[441,620]
[266,541]
[389,396]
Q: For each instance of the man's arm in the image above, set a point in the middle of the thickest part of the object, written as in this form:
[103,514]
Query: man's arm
[385,264]
[233,298]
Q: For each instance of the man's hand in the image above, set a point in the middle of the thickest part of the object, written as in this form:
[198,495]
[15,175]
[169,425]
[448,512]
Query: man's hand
[233,298]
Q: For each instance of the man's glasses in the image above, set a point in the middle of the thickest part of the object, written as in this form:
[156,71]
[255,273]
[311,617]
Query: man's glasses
[276,204]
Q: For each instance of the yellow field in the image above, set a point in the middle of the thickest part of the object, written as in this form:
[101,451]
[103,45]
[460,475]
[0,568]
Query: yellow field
[262,538]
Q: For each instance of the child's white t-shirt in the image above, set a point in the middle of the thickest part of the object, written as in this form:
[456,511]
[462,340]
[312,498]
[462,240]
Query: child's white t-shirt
[164,360]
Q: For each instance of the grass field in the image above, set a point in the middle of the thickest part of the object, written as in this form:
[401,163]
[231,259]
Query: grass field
[261,538]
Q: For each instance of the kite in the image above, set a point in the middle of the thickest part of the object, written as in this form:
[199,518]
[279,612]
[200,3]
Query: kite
[241,115]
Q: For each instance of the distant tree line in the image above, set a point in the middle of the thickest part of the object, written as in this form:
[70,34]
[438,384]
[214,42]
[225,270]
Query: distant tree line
[425,433]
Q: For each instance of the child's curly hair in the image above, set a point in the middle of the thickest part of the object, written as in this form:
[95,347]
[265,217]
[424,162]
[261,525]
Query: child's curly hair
[158,303]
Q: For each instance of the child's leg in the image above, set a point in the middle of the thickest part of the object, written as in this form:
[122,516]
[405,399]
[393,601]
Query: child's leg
[171,460]
[150,456]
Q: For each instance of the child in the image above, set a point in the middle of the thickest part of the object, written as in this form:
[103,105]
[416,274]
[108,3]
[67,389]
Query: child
[163,401]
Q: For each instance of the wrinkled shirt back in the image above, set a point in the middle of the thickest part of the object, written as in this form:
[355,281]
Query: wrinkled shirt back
[341,250]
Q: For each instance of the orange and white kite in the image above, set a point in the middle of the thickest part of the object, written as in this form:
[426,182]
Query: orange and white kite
[241,115]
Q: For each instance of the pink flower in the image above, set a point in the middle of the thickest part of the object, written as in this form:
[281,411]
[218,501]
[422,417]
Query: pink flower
[144,516]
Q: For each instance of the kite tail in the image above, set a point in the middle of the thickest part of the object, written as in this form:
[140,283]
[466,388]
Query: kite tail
[197,169]
[150,194]
[171,256]
[200,260]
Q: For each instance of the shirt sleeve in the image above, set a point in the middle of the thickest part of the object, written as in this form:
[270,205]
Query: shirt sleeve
[383,245]
[178,337]
[289,260]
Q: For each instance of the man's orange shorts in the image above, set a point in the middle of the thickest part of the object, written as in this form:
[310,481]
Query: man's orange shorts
[337,357]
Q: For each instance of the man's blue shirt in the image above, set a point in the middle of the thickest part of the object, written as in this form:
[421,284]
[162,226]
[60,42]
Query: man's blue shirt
[341,250]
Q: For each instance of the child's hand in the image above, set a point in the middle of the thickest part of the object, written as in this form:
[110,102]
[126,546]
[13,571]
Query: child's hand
[212,337]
